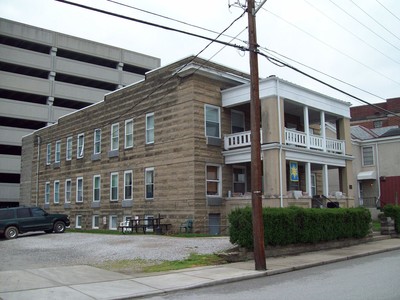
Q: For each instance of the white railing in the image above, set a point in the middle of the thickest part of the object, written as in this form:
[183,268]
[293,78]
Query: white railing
[292,137]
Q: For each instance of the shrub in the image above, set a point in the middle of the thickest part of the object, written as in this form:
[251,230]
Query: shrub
[293,225]
[393,211]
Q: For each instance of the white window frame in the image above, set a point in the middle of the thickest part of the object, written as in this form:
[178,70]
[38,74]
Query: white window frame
[68,149]
[78,190]
[94,217]
[129,134]
[48,154]
[68,191]
[218,181]
[95,177]
[97,141]
[148,171]
[237,112]
[147,223]
[80,145]
[126,173]
[208,106]
[112,175]
[114,137]
[47,193]
[78,221]
[111,223]
[56,195]
[57,152]
[363,158]
[313,184]
[150,130]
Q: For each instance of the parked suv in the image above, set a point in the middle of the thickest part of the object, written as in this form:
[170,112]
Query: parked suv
[16,220]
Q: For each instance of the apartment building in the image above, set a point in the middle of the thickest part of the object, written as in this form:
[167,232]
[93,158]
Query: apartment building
[45,75]
[178,144]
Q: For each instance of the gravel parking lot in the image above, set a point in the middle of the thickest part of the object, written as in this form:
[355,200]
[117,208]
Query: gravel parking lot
[38,250]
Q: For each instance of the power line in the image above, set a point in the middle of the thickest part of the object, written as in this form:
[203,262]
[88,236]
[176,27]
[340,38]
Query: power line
[334,48]
[375,20]
[388,10]
[394,46]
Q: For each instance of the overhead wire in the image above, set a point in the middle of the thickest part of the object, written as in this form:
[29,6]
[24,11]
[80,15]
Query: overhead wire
[388,10]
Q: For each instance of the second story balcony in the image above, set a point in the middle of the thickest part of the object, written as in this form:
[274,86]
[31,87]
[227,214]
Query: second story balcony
[292,138]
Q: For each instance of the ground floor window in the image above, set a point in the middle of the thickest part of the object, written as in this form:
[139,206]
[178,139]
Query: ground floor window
[239,180]
[78,221]
[95,221]
[148,221]
[113,223]
[213,180]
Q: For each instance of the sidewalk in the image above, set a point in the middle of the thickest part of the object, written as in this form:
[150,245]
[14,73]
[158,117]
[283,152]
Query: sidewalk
[85,282]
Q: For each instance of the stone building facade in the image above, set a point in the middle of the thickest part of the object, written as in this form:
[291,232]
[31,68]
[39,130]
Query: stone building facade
[176,144]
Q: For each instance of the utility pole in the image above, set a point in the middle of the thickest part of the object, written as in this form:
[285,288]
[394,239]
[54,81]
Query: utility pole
[256,181]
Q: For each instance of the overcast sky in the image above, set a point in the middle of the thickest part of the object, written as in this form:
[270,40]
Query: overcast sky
[355,41]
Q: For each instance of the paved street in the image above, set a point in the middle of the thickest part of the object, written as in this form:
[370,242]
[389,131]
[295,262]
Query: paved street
[372,277]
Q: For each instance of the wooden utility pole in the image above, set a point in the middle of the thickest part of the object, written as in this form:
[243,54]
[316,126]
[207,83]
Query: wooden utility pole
[256,179]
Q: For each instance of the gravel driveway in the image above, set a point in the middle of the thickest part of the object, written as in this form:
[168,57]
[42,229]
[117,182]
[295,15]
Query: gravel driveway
[39,250]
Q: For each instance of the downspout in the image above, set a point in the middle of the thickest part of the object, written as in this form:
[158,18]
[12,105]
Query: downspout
[377,174]
[37,169]
[280,142]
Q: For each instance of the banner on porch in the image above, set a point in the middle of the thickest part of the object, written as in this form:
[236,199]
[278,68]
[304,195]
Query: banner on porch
[294,171]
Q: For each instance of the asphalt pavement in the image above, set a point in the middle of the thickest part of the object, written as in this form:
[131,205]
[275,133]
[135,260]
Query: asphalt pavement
[86,282]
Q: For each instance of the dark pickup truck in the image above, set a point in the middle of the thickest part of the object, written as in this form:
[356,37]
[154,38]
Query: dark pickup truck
[16,220]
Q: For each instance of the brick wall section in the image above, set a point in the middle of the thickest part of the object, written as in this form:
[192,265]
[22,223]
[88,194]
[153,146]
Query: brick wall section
[179,153]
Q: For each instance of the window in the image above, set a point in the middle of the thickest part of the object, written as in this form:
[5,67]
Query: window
[149,182]
[212,120]
[150,128]
[79,189]
[48,154]
[68,152]
[57,155]
[95,221]
[80,145]
[213,180]
[97,141]
[114,187]
[237,121]
[129,133]
[378,124]
[68,185]
[368,156]
[96,188]
[47,193]
[128,185]
[37,212]
[23,213]
[239,180]
[313,184]
[78,221]
[114,136]
[113,223]
[56,191]
[148,221]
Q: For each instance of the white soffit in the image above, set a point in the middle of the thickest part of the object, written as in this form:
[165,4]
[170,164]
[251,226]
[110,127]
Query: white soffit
[366,175]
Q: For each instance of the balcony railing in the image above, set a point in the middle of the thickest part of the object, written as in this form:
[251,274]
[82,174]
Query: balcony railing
[292,137]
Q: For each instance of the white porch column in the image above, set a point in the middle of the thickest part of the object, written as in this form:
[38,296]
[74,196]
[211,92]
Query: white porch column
[323,132]
[308,179]
[306,126]
[325,180]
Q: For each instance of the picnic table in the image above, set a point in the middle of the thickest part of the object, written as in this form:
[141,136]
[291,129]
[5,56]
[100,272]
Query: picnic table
[136,224]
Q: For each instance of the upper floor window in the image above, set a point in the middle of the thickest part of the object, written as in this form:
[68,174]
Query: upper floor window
[79,189]
[97,141]
[96,188]
[114,187]
[47,193]
[212,121]
[68,152]
[213,180]
[128,185]
[48,154]
[368,156]
[80,145]
[68,187]
[378,124]
[114,136]
[57,155]
[56,191]
[129,133]
[150,128]
[149,183]
[237,121]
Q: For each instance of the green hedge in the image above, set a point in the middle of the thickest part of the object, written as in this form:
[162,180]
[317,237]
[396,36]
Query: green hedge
[393,211]
[293,225]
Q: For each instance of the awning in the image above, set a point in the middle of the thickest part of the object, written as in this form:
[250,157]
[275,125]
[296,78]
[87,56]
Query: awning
[366,175]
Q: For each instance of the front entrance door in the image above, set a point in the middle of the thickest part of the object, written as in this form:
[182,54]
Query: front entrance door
[214,223]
